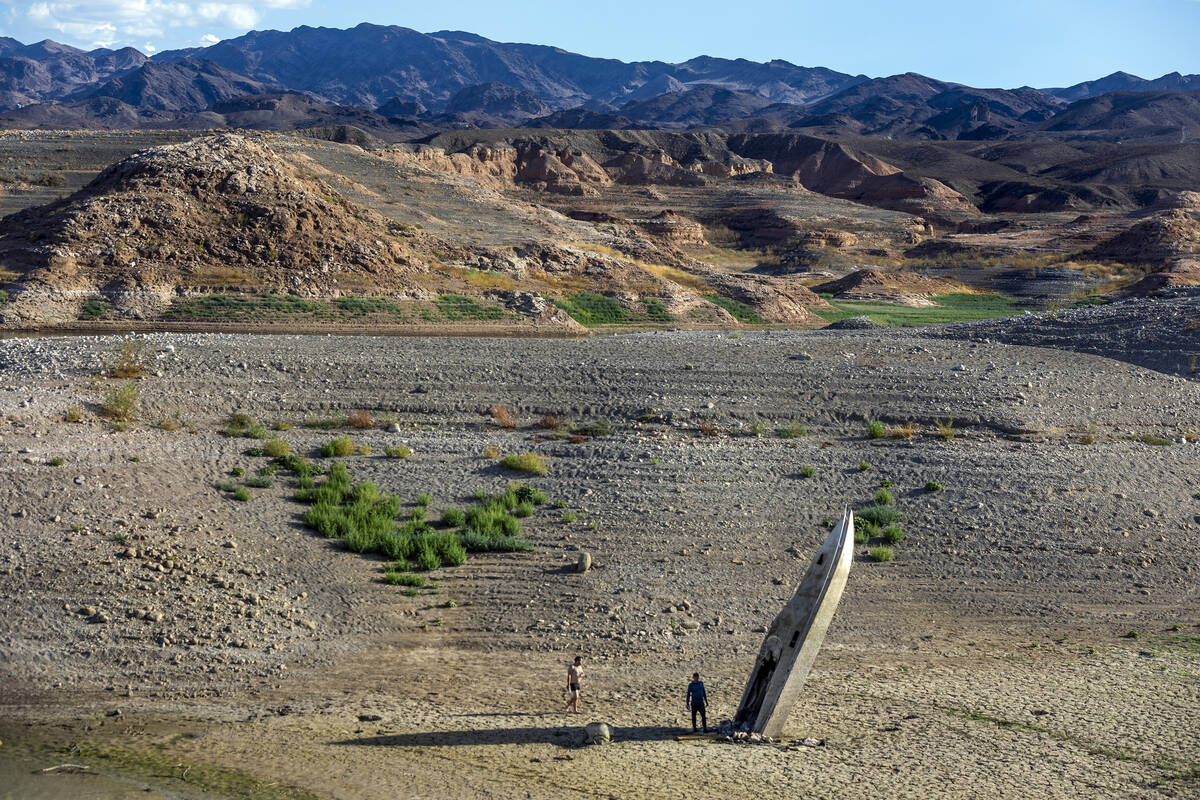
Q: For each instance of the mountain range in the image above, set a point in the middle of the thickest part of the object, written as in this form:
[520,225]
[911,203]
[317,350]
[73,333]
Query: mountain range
[396,83]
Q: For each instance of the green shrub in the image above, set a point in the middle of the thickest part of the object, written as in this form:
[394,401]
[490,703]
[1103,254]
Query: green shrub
[427,557]
[569,517]
[57,461]
[881,553]
[808,471]
[933,486]
[793,430]
[120,403]
[257,431]
[864,466]
[523,509]
[593,428]
[424,499]
[866,529]
[325,423]
[276,447]
[893,534]
[946,429]
[340,447]
[397,451]
[875,430]
[224,486]
[405,579]
[453,518]
[878,515]
[533,463]
[241,494]
[883,498]
[259,482]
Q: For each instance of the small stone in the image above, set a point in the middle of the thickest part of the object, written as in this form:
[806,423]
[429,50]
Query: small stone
[79,479]
[584,563]
[394,428]
[231,544]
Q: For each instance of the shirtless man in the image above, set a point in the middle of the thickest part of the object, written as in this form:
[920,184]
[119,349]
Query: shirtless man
[574,675]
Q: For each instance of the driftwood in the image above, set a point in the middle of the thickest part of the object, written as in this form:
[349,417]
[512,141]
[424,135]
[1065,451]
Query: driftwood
[64,768]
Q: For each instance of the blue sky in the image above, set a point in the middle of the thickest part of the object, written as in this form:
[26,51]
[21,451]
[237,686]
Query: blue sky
[1004,43]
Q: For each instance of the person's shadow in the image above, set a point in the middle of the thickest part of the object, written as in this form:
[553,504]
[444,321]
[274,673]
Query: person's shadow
[562,736]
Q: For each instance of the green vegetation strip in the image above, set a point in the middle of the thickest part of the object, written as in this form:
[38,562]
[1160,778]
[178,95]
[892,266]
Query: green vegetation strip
[949,308]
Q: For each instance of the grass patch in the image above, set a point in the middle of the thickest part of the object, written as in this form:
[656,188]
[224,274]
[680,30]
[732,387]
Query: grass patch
[533,463]
[881,516]
[893,534]
[1151,439]
[57,461]
[130,360]
[739,311]
[593,309]
[957,307]
[593,428]
[933,486]
[808,471]
[864,466]
[945,429]
[73,414]
[340,447]
[881,553]
[241,494]
[276,447]
[397,451]
[793,430]
[883,498]
[120,403]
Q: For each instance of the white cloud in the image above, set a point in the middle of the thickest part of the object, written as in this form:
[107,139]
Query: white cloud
[106,22]
[209,38]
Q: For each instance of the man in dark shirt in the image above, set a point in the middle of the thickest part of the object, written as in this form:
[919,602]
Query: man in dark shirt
[697,701]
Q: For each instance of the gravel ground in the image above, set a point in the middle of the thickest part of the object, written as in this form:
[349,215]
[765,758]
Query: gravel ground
[988,658]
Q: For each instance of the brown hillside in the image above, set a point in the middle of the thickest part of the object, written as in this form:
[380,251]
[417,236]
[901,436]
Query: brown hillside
[220,211]
[902,288]
[1173,235]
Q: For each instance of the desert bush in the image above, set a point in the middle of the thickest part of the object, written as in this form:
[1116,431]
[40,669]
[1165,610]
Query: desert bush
[523,509]
[550,422]
[282,424]
[453,518]
[933,486]
[259,482]
[169,424]
[424,499]
[533,463]
[1151,439]
[886,483]
[224,486]
[570,516]
[793,430]
[709,428]
[325,423]
[491,451]
[359,419]
[893,534]
[130,360]
[883,498]
[57,461]
[864,531]
[73,414]
[120,403]
[875,430]
[527,493]
[945,428]
[503,416]
[340,447]
[808,471]
[276,447]
[241,494]
[397,451]
[427,557]
[881,553]
[397,578]
[1089,436]
[599,427]
[905,431]
[878,515]
[864,466]
[756,428]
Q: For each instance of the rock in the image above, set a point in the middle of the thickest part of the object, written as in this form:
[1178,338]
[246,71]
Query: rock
[394,427]
[597,733]
[854,324]
[369,718]
[584,563]
[232,545]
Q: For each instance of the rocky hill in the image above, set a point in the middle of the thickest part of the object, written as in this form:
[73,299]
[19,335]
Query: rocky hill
[216,212]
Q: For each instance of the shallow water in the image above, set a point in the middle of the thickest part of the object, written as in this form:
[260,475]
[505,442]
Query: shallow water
[21,778]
